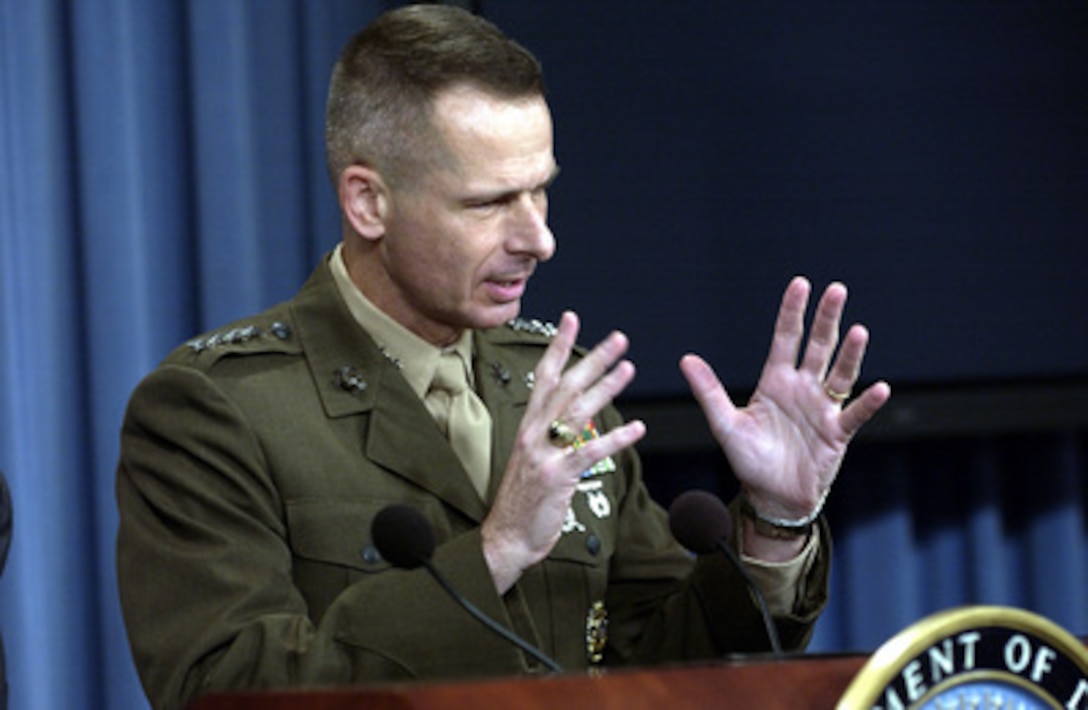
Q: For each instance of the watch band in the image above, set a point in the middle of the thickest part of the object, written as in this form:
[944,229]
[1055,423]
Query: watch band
[780,528]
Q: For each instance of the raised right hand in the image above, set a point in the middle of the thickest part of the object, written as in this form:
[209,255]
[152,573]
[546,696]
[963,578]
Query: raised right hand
[532,502]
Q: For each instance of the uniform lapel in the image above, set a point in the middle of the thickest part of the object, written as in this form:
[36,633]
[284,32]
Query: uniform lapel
[403,438]
[354,378]
[504,390]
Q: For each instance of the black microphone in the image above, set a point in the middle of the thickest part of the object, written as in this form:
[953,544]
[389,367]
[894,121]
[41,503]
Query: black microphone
[700,522]
[405,538]
[402,536]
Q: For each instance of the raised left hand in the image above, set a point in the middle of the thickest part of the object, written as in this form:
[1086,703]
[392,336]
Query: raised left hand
[787,444]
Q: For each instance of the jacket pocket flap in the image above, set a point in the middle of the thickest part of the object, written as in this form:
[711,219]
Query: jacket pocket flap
[336,532]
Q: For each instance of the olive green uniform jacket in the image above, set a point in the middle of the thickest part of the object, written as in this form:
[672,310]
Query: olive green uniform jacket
[252,463]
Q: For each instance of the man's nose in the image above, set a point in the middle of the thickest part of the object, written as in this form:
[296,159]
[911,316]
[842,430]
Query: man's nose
[530,233]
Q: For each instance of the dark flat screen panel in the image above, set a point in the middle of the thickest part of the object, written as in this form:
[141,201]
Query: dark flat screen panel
[932,155]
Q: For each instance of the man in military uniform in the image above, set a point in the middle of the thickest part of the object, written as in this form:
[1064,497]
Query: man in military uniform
[255,458]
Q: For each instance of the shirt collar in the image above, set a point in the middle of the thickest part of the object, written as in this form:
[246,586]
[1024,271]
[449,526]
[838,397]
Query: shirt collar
[416,358]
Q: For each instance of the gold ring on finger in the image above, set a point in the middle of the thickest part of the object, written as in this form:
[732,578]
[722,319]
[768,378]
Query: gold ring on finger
[560,434]
[834,394]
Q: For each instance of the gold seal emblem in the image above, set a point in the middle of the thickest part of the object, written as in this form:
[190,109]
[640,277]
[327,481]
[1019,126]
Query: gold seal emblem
[974,657]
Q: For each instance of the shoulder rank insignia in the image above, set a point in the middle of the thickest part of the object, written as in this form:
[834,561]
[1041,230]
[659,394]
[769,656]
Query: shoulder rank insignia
[534,326]
[238,335]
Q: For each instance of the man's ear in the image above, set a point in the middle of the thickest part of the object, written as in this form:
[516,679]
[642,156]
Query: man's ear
[364,199]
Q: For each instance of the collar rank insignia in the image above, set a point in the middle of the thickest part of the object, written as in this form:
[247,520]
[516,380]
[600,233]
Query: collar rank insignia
[501,373]
[348,379]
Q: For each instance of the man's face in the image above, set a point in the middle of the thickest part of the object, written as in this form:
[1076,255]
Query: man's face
[462,241]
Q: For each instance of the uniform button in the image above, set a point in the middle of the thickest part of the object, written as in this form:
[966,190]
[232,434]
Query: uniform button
[370,555]
[593,544]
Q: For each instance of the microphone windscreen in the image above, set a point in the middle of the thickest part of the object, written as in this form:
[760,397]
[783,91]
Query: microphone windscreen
[403,536]
[698,520]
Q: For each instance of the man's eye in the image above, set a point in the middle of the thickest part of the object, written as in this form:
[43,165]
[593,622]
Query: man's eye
[488,205]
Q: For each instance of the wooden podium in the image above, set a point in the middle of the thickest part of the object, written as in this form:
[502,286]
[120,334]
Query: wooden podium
[796,682]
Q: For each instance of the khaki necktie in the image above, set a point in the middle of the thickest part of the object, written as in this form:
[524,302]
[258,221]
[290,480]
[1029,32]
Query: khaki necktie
[463,418]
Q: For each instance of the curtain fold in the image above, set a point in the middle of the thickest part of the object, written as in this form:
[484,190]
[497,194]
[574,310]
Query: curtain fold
[43,442]
[131,242]
[924,525]
[162,173]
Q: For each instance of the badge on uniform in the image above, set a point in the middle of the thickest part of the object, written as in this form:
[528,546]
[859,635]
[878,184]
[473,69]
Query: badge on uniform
[590,485]
[605,465]
[596,632]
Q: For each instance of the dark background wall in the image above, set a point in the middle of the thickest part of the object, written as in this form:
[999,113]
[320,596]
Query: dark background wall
[932,155]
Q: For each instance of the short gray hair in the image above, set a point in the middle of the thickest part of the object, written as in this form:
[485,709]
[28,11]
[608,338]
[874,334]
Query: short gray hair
[384,84]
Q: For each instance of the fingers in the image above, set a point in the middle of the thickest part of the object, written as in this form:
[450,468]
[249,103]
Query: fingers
[790,327]
[550,368]
[580,405]
[864,407]
[575,395]
[587,454]
[709,392]
[824,336]
[842,376]
[790,324]
[837,379]
[827,364]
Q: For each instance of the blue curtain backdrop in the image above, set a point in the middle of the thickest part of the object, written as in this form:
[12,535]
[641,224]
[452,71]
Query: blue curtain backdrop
[162,172]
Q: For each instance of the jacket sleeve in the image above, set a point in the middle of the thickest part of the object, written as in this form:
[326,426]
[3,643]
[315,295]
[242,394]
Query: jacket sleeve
[667,605]
[205,566]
